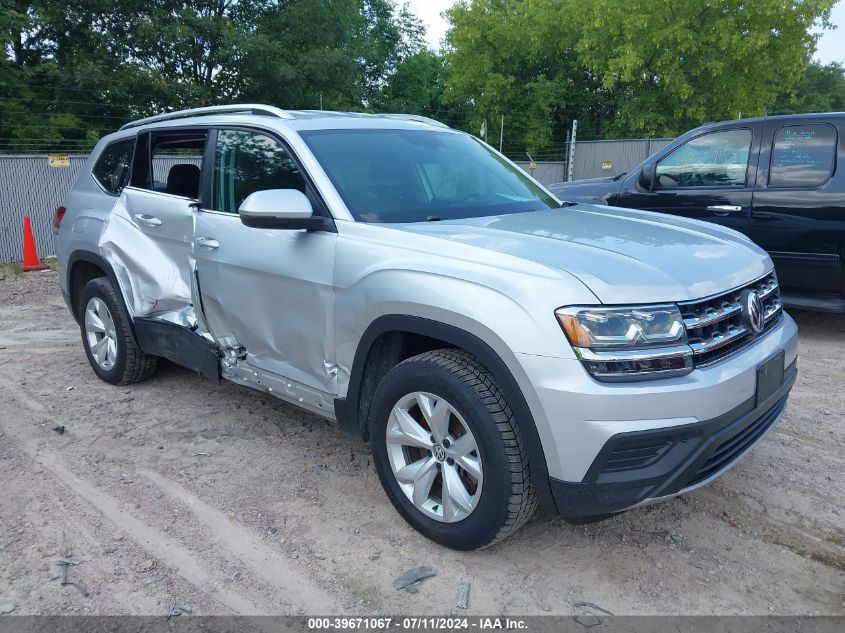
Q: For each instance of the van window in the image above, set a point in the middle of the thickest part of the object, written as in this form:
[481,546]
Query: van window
[719,159]
[112,168]
[802,155]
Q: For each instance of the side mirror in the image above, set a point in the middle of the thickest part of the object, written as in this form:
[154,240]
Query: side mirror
[278,209]
[646,179]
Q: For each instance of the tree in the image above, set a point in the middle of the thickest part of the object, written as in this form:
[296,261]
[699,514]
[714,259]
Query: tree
[648,67]
[519,59]
[63,79]
[76,69]
[192,49]
[679,62]
[415,87]
[821,88]
[331,53]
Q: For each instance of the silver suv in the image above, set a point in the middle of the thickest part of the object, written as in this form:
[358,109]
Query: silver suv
[498,348]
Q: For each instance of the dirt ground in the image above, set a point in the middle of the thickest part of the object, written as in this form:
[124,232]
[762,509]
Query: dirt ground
[216,498]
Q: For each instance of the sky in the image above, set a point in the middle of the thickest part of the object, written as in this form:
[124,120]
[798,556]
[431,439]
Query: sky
[429,12]
[831,46]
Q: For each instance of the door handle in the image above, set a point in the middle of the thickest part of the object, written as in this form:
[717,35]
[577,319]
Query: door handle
[724,209]
[207,242]
[149,220]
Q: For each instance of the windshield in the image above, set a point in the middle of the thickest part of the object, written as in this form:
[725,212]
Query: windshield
[419,175]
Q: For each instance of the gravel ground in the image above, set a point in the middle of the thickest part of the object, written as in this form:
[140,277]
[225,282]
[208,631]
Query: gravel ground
[178,491]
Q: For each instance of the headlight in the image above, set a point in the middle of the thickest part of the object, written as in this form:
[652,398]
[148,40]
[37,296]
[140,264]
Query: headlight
[628,343]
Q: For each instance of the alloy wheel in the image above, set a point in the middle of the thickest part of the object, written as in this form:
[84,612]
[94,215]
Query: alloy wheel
[434,457]
[100,333]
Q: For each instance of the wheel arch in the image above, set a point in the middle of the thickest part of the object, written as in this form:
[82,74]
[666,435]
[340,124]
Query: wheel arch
[82,267]
[391,338]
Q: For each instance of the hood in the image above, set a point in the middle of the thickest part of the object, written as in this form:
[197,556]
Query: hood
[621,255]
[591,191]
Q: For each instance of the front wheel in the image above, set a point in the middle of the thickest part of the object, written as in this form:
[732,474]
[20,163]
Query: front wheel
[448,451]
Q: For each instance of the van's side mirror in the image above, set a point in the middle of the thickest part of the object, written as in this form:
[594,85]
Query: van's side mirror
[278,209]
[646,179]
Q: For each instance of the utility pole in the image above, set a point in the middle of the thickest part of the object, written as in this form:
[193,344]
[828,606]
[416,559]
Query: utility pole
[570,162]
[566,151]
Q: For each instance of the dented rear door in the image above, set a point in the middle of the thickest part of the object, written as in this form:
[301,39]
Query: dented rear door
[157,244]
[149,235]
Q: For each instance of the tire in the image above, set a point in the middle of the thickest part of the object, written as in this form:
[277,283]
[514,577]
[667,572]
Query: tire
[484,496]
[124,363]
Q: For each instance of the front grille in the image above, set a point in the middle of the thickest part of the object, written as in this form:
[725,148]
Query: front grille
[715,328]
[733,447]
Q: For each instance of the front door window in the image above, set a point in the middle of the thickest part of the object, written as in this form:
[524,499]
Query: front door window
[246,162]
[719,159]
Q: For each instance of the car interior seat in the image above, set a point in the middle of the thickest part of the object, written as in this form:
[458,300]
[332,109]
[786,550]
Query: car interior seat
[184,180]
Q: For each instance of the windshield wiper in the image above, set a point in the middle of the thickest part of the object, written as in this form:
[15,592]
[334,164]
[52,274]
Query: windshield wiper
[433,218]
[618,176]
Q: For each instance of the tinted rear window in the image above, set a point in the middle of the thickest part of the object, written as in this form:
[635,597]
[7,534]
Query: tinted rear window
[112,168]
[802,155]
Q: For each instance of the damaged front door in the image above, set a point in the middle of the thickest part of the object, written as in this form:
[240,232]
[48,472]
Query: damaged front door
[267,295]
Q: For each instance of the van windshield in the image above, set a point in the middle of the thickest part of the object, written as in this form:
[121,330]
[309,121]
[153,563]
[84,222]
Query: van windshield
[419,175]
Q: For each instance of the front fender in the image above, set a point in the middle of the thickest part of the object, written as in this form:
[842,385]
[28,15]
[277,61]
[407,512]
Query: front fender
[494,355]
[506,325]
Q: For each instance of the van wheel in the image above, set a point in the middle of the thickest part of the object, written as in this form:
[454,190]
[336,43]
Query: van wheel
[109,343]
[448,451]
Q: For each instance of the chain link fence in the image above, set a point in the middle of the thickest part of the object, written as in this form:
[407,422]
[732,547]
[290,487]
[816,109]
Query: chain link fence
[29,185]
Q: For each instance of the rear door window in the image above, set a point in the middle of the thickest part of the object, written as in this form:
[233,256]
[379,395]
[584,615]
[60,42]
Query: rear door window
[112,168]
[802,155]
[170,162]
[719,159]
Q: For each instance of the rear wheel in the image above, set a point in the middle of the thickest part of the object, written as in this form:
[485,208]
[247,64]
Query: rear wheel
[448,451]
[107,336]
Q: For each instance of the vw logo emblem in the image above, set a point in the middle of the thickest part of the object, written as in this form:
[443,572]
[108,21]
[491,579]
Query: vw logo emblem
[439,453]
[752,311]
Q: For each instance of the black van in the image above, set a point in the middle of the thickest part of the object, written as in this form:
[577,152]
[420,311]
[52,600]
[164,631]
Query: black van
[774,179]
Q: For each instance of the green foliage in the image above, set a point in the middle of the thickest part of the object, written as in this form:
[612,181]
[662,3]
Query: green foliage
[689,60]
[334,54]
[642,67]
[10,271]
[61,60]
[511,58]
[415,86]
[820,89]
[76,69]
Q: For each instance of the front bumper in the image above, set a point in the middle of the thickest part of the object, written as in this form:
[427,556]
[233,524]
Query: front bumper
[641,466]
[580,420]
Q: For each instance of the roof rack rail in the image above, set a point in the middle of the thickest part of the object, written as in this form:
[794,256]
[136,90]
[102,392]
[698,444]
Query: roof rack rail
[414,117]
[251,108]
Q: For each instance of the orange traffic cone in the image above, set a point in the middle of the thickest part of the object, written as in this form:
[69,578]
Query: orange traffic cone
[30,253]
